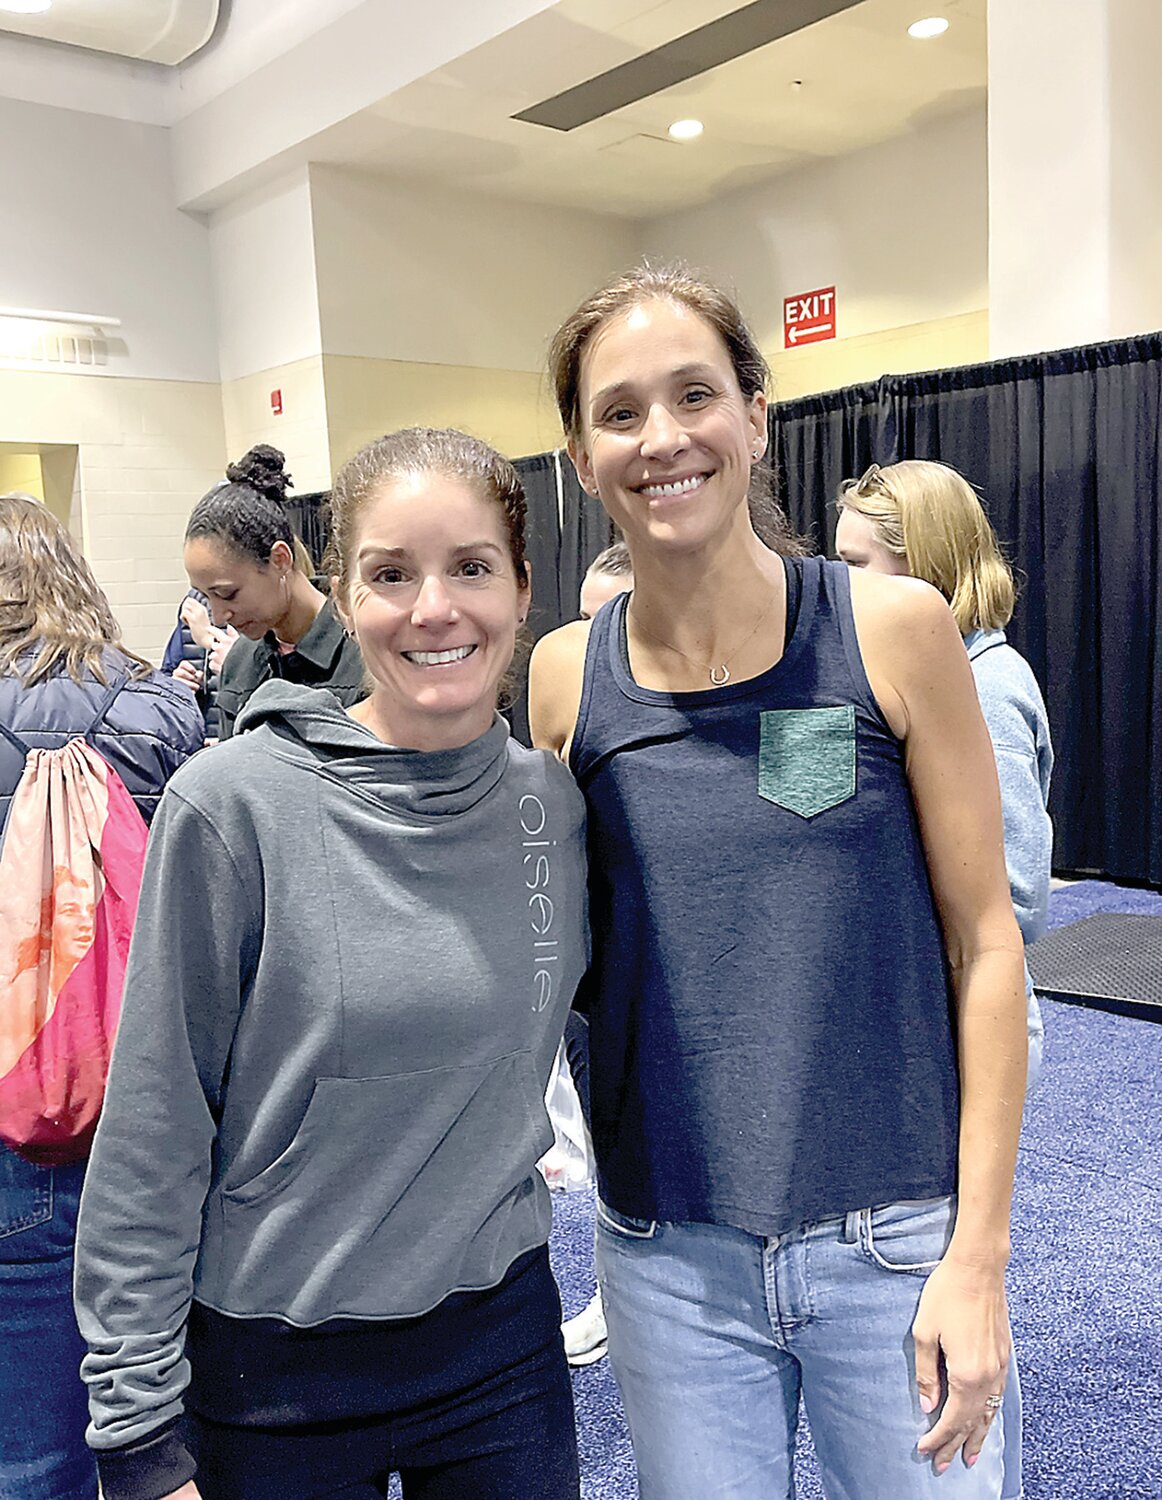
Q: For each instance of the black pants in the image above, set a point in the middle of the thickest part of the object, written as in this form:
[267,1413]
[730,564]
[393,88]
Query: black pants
[577,1054]
[472,1401]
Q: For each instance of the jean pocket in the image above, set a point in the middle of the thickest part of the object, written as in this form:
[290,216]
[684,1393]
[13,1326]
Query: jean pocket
[910,1236]
[25,1194]
[625,1226]
[807,758]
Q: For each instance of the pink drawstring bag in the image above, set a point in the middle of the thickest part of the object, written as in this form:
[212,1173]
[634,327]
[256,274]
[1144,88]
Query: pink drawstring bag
[70,876]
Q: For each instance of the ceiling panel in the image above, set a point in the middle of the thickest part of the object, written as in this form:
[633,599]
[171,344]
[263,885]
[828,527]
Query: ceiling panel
[850,80]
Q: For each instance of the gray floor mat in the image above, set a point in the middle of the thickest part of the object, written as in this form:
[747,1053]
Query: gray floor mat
[1108,959]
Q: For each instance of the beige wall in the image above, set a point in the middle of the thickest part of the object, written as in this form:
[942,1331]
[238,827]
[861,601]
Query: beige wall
[423,273]
[145,451]
[892,351]
[900,229]
[20,470]
[300,431]
[266,295]
[511,409]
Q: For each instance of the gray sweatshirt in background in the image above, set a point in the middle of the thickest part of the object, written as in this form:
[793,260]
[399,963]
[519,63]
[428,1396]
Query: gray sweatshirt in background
[348,980]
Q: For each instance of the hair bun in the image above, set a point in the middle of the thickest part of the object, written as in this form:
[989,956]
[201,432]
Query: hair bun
[263,468]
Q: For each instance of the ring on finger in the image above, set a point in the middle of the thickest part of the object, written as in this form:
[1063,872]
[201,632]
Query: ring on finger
[993,1403]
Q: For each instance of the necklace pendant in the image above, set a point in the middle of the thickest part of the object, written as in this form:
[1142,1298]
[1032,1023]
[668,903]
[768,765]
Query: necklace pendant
[719,676]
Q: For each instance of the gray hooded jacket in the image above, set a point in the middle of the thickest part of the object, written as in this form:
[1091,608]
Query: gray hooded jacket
[349,976]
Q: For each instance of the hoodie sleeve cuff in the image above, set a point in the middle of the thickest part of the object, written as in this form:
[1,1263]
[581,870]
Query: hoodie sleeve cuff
[153,1467]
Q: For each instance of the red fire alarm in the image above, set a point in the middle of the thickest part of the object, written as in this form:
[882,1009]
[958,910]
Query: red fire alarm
[276,403]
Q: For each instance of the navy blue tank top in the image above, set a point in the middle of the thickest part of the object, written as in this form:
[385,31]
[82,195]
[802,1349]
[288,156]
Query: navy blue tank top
[771,1021]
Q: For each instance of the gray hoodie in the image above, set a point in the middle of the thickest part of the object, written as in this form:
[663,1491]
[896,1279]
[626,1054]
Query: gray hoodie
[349,976]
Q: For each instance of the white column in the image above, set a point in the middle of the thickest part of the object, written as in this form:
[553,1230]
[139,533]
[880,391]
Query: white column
[1075,172]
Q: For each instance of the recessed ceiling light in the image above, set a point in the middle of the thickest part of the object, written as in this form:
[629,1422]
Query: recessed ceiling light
[925,30]
[686,130]
[25,7]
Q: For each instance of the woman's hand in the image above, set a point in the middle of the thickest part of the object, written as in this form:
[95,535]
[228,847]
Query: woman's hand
[188,1491]
[196,618]
[186,672]
[223,639]
[962,1315]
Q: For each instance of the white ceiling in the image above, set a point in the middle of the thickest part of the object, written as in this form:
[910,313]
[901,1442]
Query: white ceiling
[862,80]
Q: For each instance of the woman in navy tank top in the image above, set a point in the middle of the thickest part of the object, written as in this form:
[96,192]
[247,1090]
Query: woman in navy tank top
[806,998]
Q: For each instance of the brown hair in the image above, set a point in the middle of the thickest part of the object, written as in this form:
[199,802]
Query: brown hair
[929,515]
[674,283]
[51,606]
[417,451]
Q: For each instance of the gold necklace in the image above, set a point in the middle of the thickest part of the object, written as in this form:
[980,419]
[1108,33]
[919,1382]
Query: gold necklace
[720,675]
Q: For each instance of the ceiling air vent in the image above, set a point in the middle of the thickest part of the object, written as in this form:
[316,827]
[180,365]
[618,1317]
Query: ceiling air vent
[160,31]
[707,47]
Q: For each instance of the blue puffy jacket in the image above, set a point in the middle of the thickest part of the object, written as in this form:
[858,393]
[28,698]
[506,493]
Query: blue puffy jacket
[147,731]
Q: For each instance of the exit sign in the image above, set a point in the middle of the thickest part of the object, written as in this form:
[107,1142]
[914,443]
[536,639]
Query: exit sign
[809,317]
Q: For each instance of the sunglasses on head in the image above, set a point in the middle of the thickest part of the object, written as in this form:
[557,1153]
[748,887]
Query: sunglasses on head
[868,480]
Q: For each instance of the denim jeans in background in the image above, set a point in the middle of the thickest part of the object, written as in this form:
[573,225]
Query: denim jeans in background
[43,1410]
[714,1334]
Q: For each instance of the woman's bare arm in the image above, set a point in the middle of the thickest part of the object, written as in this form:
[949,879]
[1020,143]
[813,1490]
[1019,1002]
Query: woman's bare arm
[920,672]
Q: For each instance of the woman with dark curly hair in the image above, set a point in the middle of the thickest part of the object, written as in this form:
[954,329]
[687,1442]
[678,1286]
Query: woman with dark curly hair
[242,553]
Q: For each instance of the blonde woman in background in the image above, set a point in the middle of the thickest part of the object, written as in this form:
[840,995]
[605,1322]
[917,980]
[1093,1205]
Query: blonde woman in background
[924,520]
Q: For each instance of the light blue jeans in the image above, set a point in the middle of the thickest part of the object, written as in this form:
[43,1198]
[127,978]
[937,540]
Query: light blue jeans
[714,1334]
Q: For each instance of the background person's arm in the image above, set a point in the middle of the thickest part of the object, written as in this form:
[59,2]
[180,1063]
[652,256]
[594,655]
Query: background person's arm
[1020,736]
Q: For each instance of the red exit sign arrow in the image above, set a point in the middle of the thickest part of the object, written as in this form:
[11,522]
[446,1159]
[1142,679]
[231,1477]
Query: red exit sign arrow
[809,317]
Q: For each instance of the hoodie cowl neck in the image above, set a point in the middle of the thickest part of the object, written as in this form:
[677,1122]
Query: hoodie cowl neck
[310,727]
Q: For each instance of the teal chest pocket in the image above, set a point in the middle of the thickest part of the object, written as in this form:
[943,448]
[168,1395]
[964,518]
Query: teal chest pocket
[807,758]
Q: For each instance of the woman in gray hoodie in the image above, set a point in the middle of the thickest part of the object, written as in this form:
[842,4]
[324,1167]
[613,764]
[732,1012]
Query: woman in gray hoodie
[312,1241]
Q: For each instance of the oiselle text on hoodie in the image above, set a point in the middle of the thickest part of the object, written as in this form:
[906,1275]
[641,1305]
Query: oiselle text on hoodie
[349,976]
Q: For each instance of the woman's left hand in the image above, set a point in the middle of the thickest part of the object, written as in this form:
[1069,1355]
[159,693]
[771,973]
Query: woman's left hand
[962,1315]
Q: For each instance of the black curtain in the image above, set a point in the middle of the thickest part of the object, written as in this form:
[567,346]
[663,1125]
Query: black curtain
[566,531]
[308,517]
[815,443]
[1065,448]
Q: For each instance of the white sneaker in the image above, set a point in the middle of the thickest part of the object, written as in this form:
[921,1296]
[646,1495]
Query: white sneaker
[586,1339]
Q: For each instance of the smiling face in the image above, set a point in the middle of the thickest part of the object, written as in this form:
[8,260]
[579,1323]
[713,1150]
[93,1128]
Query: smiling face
[666,436]
[252,597]
[435,603]
[859,546]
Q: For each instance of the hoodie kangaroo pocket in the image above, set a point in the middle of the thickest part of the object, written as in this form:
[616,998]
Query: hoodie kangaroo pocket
[384,1184]
[807,758]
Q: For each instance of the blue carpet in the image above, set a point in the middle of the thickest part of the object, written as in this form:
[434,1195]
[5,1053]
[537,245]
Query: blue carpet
[1086,1269]
[1088,897]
